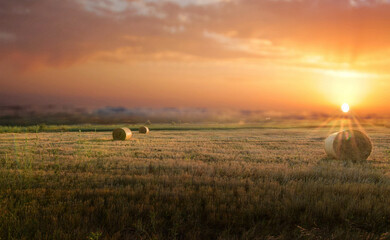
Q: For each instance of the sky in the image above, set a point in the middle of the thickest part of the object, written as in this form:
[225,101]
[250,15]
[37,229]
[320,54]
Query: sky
[282,55]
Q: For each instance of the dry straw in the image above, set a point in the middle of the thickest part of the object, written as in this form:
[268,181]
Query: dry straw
[122,134]
[144,130]
[348,145]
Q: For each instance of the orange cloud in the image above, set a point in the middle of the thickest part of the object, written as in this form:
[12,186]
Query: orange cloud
[62,32]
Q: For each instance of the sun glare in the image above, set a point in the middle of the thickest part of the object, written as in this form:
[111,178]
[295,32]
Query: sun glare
[345,107]
[346,87]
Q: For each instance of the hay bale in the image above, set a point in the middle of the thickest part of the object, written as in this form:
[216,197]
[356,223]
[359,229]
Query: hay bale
[144,130]
[122,134]
[348,145]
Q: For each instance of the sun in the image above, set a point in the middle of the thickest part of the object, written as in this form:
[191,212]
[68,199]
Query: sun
[345,107]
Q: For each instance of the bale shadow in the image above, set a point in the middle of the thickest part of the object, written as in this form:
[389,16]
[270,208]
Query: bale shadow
[99,140]
[330,160]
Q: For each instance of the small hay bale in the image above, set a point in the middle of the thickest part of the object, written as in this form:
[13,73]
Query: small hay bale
[144,130]
[348,145]
[122,134]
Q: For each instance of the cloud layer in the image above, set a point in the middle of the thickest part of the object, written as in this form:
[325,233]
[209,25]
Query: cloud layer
[56,33]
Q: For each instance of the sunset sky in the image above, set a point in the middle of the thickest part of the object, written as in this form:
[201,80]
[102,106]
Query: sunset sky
[282,55]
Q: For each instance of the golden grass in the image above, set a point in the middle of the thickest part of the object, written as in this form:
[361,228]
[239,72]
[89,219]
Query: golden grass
[226,184]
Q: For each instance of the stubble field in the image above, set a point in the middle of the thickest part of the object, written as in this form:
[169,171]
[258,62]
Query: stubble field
[194,184]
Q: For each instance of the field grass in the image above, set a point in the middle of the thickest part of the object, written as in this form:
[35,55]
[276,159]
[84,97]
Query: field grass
[225,183]
[157,127]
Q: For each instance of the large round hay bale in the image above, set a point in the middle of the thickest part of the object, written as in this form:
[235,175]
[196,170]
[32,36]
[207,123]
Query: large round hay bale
[122,134]
[144,130]
[348,145]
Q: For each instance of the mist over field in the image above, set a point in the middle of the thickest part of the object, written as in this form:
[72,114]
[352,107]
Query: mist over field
[52,114]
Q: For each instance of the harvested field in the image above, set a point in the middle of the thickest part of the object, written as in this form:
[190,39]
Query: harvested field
[195,184]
